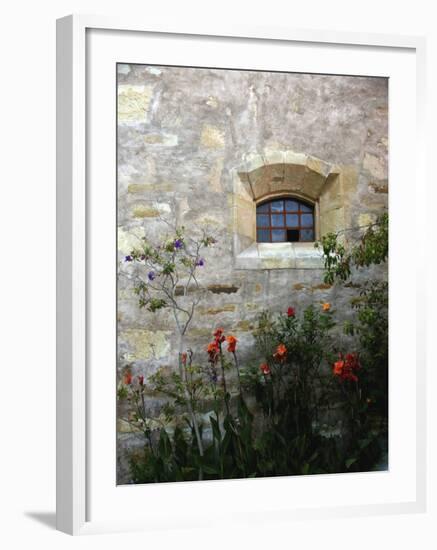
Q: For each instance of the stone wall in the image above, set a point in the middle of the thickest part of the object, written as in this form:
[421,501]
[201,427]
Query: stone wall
[185,135]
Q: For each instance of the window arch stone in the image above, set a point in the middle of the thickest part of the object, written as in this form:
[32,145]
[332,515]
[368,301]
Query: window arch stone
[287,173]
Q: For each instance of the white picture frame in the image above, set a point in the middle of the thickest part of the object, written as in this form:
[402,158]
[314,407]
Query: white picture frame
[73,394]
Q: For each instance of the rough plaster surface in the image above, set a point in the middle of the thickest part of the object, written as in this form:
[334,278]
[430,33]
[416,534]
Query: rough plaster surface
[181,133]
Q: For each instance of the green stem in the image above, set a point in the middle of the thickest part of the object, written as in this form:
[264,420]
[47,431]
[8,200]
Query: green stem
[238,372]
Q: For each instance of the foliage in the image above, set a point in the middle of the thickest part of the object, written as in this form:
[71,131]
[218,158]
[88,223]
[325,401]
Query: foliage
[371,248]
[298,391]
[371,329]
[168,274]
[310,401]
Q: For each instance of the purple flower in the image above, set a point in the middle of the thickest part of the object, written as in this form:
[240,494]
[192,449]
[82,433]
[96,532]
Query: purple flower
[142,257]
[179,243]
[151,275]
[213,375]
[128,258]
[200,262]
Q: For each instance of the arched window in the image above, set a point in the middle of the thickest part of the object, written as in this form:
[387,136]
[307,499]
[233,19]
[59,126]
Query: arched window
[284,220]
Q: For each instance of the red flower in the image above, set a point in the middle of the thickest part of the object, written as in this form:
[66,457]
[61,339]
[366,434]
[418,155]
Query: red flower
[291,312]
[347,367]
[281,353]
[141,380]
[219,336]
[184,358]
[265,369]
[127,378]
[232,343]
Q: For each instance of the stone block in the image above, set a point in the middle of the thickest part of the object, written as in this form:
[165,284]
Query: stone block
[332,221]
[145,344]
[252,161]
[273,156]
[307,256]
[245,213]
[319,166]
[165,140]
[313,184]
[294,175]
[349,181]
[144,211]
[376,166]
[133,103]
[226,308]
[139,188]
[331,196]
[291,157]
[212,137]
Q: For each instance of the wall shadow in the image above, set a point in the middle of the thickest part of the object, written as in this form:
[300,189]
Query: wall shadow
[45,518]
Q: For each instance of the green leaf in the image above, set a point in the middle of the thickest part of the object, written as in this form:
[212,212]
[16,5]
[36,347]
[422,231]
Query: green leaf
[210,470]
[215,429]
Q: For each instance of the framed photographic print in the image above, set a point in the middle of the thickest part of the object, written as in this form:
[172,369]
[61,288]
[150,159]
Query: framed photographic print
[234,209]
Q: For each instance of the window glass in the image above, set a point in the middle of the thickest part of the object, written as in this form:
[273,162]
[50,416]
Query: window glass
[292,220]
[291,206]
[263,208]
[278,235]
[277,220]
[306,220]
[263,235]
[262,220]
[306,235]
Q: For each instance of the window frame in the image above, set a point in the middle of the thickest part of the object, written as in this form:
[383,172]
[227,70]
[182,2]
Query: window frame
[300,202]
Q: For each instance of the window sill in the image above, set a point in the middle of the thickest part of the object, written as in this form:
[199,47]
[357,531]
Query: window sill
[280,256]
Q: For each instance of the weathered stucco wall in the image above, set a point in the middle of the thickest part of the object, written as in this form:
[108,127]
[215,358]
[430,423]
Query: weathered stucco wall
[182,133]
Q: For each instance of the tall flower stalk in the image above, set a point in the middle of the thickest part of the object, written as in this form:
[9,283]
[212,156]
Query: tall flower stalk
[167,278]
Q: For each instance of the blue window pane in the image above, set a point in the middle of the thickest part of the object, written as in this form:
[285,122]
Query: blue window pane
[277,206]
[306,235]
[262,208]
[292,206]
[263,236]
[306,220]
[277,220]
[305,208]
[262,220]
[278,235]
[292,220]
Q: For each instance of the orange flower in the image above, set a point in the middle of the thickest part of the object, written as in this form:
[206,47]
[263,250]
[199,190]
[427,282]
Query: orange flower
[232,343]
[213,350]
[127,378]
[338,368]
[347,367]
[326,306]
[212,347]
[281,353]
[265,369]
